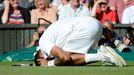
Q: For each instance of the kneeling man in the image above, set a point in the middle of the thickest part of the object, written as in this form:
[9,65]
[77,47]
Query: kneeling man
[68,42]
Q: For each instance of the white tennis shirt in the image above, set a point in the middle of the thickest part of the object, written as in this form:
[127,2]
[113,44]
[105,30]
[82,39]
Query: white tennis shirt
[79,35]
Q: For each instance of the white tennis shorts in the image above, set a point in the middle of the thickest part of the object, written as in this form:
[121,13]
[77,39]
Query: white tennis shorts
[78,35]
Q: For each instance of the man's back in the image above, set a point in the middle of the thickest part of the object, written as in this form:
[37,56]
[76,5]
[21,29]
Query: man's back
[74,35]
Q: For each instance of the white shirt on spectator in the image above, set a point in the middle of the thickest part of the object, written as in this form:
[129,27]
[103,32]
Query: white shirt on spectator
[67,12]
[58,3]
[128,15]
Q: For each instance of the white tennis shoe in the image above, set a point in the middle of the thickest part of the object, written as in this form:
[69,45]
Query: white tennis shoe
[108,55]
[116,55]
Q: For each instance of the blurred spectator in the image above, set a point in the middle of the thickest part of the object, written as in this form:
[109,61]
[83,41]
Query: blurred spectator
[119,6]
[109,35]
[1,4]
[128,15]
[43,11]
[36,36]
[13,14]
[129,38]
[73,9]
[58,4]
[91,4]
[112,39]
[85,2]
[28,4]
[35,39]
[102,12]
[41,15]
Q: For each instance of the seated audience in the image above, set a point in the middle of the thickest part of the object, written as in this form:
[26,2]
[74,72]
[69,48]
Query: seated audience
[43,11]
[102,12]
[41,15]
[119,6]
[128,15]
[73,9]
[13,13]
[129,38]
[111,38]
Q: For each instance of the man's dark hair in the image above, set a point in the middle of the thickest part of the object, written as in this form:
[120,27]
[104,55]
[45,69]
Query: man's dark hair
[36,57]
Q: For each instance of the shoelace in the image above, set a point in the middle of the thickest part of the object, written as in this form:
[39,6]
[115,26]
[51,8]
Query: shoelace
[106,61]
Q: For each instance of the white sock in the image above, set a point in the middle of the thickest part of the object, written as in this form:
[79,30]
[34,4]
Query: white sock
[51,63]
[91,58]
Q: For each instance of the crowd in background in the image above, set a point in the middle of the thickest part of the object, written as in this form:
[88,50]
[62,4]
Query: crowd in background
[30,11]
[118,11]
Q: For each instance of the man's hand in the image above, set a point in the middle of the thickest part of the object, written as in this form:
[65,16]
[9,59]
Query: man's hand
[43,62]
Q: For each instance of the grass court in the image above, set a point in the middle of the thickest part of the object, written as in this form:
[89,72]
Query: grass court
[6,68]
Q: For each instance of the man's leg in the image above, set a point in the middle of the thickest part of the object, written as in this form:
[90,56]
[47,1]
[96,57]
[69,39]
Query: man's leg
[65,58]
[82,59]
[68,59]
[62,57]
[105,54]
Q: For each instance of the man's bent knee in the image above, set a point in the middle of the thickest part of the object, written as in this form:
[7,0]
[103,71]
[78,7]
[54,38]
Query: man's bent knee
[61,55]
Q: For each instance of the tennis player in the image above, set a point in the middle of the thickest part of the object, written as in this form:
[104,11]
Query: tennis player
[68,42]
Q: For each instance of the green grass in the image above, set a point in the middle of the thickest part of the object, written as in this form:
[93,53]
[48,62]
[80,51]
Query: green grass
[6,68]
